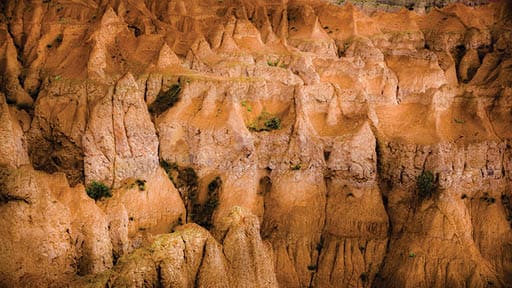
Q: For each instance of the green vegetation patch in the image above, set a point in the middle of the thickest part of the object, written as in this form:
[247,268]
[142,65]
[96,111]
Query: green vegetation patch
[97,190]
[265,122]
[181,177]
[296,167]
[202,214]
[165,100]
[141,184]
[426,184]
[247,106]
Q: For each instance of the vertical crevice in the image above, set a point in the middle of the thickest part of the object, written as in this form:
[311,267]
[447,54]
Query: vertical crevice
[159,276]
[320,245]
[265,188]
[202,213]
[203,253]
[385,186]
[186,182]
[113,139]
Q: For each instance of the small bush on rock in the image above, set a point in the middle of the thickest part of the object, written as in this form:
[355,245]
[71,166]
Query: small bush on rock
[265,122]
[141,184]
[97,190]
[296,167]
[165,100]
[181,177]
[426,184]
[214,185]
[487,198]
[203,213]
[364,277]
[273,123]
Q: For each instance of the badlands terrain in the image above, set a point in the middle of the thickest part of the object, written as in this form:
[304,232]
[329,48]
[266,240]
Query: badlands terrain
[255,143]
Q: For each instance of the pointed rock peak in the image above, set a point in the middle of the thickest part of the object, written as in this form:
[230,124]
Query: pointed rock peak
[245,29]
[260,18]
[167,58]
[238,217]
[228,44]
[230,25]
[262,22]
[240,11]
[215,36]
[109,25]
[121,8]
[261,15]
[318,31]
[126,81]
[110,17]
[181,8]
[282,30]
[201,47]
[307,13]
[230,11]
[268,35]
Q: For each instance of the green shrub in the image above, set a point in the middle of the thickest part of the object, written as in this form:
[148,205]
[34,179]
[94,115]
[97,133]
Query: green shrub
[426,184]
[364,277]
[56,42]
[265,122]
[141,184]
[181,177]
[202,214]
[246,105]
[487,198]
[276,63]
[214,185]
[97,190]
[273,63]
[211,204]
[168,166]
[59,38]
[320,245]
[165,100]
[296,167]
[273,123]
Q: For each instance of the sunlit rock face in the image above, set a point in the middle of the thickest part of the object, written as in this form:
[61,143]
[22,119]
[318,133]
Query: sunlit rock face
[255,143]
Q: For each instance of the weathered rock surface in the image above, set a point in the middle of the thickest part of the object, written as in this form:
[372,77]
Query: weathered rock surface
[37,244]
[192,257]
[120,140]
[14,147]
[291,135]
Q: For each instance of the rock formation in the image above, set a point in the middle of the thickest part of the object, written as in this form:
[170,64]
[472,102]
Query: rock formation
[239,143]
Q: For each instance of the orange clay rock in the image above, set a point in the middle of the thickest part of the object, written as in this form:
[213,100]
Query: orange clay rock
[14,150]
[299,143]
[43,238]
[191,257]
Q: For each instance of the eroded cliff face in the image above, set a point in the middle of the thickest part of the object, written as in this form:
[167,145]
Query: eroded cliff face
[254,144]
